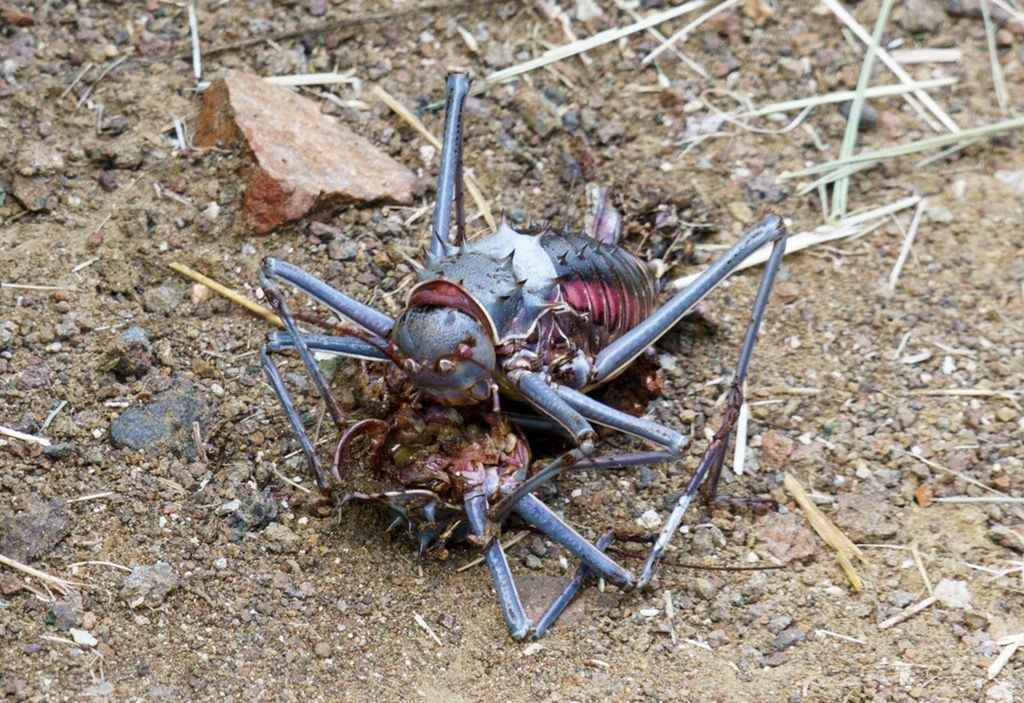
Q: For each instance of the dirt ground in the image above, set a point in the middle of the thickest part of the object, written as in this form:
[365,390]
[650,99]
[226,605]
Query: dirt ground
[848,383]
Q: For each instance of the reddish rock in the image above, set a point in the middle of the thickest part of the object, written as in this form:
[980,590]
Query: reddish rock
[15,17]
[777,447]
[924,494]
[866,518]
[786,537]
[304,159]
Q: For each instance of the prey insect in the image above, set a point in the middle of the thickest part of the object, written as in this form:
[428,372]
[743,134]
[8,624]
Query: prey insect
[539,317]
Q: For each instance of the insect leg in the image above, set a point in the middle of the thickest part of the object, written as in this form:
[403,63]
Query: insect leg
[511,606]
[534,512]
[598,412]
[710,466]
[277,383]
[280,306]
[341,346]
[563,599]
[619,353]
[339,303]
[542,396]
[449,177]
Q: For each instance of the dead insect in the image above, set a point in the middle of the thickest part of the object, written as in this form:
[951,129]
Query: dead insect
[535,316]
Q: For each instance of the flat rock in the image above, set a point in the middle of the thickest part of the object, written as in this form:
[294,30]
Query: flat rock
[149,585]
[165,422]
[304,159]
[32,533]
[866,518]
[787,538]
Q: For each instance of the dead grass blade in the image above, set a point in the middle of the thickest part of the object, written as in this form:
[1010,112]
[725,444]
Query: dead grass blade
[826,529]
[228,293]
[406,114]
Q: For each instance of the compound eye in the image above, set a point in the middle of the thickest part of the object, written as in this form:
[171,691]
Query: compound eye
[464,350]
[445,365]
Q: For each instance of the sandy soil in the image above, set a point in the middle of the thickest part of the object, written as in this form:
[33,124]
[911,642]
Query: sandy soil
[323,606]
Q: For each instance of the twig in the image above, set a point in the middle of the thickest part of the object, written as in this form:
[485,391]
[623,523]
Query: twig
[471,185]
[193,32]
[1002,95]
[480,560]
[684,33]
[197,438]
[34,439]
[846,18]
[1004,656]
[95,562]
[30,286]
[842,186]
[916,553]
[88,91]
[908,242]
[290,482]
[64,586]
[300,79]
[231,295]
[907,613]
[81,74]
[53,415]
[1012,500]
[940,467]
[91,496]
[829,633]
[827,530]
[427,628]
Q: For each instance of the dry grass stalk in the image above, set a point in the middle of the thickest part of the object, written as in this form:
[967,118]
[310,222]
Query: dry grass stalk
[1002,95]
[193,33]
[922,97]
[24,437]
[231,295]
[427,628]
[842,186]
[872,157]
[927,55]
[63,586]
[696,67]
[684,33]
[876,91]
[826,529]
[907,613]
[908,242]
[958,474]
[572,49]
[302,79]
[848,227]
[1004,657]
[471,185]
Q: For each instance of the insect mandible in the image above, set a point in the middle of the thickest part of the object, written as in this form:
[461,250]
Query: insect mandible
[541,317]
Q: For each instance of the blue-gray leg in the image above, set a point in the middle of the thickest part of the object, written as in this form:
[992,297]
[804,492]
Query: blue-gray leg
[535,513]
[570,590]
[280,306]
[710,466]
[449,177]
[353,347]
[598,412]
[288,405]
[494,555]
[339,303]
[622,351]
